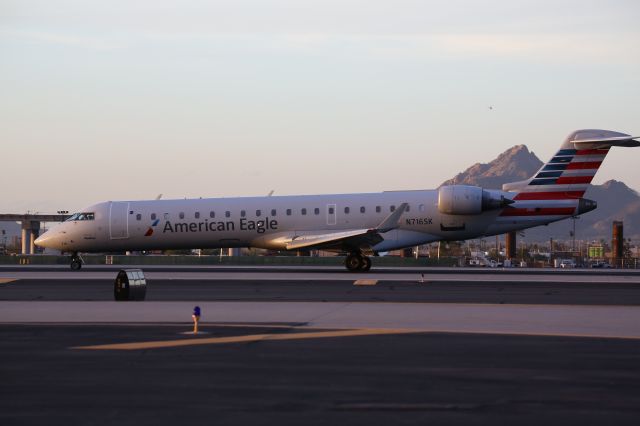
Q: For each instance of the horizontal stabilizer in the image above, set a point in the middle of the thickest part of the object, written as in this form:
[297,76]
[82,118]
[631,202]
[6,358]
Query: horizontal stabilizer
[629,142]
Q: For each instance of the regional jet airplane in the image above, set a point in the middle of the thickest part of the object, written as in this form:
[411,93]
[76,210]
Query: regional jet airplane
[359,225]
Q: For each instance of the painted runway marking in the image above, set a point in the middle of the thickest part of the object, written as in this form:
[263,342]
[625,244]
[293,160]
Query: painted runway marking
[245,339]
[365,282]
[6,280]
[330,334]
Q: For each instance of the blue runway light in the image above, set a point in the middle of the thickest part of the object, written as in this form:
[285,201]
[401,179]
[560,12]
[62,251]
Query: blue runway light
[196,319]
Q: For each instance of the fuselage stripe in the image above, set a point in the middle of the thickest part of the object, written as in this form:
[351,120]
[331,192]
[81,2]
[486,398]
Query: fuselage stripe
[543,211]
[557,195]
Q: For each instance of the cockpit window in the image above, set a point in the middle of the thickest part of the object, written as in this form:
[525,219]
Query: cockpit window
[81,216]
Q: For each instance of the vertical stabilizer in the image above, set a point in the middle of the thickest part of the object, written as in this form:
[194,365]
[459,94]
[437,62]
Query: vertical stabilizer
[570,171]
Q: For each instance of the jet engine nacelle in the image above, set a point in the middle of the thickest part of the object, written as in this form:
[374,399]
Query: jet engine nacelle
[469,200]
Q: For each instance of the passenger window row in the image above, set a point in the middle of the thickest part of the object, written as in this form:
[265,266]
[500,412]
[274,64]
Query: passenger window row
[274,212]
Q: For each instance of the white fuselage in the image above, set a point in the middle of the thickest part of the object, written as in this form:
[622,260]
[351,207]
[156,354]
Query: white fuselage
[271,222]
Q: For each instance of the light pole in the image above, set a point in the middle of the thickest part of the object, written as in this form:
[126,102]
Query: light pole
[573,235]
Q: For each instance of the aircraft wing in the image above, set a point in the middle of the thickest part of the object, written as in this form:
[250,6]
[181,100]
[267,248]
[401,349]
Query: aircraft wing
[350,239]
[356,238]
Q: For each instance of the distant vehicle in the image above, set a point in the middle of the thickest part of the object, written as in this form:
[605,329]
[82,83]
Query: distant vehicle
[601,264]
[495,264]
[567,263]
[359,224]
[476,262]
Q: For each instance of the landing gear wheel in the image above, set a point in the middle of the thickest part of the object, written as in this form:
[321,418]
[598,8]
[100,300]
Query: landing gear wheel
[353,262]
[76,263]
[366,264]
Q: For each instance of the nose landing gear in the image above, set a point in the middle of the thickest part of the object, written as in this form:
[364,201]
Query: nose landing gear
[76,262]
[357,262]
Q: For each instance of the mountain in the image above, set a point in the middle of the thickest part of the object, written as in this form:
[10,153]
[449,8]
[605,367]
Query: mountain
[616,201]
[515,164]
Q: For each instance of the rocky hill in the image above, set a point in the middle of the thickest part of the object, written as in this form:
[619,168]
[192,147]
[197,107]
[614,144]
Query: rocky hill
[616,201]
[515,164]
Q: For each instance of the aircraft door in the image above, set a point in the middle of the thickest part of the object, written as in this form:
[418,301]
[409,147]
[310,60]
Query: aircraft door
[331,214]
[118,220]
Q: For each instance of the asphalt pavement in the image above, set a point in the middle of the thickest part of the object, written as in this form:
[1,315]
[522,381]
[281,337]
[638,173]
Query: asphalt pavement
[465,291]
[387,379]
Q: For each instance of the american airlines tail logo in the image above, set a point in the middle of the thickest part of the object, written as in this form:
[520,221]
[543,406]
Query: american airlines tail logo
[150,230]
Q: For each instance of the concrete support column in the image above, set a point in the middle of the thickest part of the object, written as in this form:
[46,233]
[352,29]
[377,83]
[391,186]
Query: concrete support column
[30,231]
[510,248]
[26,243]
[35,233]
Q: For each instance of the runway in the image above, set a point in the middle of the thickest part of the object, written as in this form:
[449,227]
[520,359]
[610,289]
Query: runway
[298,273]
[295,345]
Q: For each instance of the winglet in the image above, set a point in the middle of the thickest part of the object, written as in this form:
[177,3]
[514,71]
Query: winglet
[392,221]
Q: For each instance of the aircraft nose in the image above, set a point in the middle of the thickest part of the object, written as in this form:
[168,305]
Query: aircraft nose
[47,240]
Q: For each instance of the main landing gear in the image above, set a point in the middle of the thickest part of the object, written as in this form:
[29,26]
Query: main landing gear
[76,262]
[357,262]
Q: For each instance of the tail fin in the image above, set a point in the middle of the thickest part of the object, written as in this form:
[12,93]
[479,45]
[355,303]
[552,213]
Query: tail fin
[568,174]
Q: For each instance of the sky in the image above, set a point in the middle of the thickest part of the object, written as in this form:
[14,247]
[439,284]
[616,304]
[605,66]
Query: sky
[125,100]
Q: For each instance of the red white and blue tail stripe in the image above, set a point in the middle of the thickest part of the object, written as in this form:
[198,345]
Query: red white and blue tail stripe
[566,176]
[556,189]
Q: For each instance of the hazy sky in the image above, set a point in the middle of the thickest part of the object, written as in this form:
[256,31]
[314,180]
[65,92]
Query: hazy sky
[110,100]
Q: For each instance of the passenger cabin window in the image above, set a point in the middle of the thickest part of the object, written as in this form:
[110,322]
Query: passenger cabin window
[408,208]
[392,208]
[316,211]
[181,215]
[346,210]
[288,212]
[243,213]
[378,209]
[258,213]
[362,209]
[197,215]
[138,216]
[227,214]
[212,214]
[153,216]
[303,211]
[166,216]
[273,212]
[421,207]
